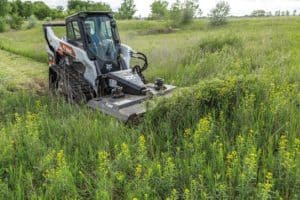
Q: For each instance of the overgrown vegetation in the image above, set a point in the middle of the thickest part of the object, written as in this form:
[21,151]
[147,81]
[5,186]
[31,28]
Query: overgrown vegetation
[230,132]
[32,21]
[15,21]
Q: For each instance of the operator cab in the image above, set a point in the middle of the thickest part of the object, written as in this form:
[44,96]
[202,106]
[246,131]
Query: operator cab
[97,34]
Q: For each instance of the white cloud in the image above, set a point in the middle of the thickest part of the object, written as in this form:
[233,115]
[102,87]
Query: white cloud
[238,7]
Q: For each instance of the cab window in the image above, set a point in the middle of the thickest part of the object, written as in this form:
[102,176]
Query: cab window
[102,43]
[73,31]
[70,32]
[76,30]
[73,34]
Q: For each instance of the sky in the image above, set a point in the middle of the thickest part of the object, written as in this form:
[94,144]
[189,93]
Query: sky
[238,7]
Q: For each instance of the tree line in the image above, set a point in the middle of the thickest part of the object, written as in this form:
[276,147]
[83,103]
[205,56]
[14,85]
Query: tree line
[14,12]
[263,13]
[41,10]
[180,11]
[25,9]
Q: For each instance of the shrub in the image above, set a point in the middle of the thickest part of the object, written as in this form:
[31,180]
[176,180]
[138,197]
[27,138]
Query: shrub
[48,19]
[15,21]
[183,13]
[2,25]
[189,10]
[175,14]
[32,21]
[219,13]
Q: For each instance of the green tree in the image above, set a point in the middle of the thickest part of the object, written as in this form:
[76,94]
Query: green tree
[258,13]
[189,11]
[294,12]
[219,13]
[41,10]
[269,14]
[4,7]
[98,7]
[79,5]
[184,13]
[287,13]
[57,13]
[159,9]
[27,10]
[15,21]
[176,13]
[127,9]
[277,13]
[16,7]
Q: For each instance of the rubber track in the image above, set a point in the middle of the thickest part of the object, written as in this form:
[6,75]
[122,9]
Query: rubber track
[80,86]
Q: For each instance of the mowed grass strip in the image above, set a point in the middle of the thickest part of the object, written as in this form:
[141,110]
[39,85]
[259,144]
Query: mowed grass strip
[21,72]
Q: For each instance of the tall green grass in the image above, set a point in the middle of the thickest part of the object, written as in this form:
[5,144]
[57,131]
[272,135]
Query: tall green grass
[231,131]
[233,138]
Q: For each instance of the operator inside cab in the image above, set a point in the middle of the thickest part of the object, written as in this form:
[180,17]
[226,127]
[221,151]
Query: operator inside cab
[100,34]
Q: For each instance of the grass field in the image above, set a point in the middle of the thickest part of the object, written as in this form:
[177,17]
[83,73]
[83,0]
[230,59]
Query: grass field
[232,130]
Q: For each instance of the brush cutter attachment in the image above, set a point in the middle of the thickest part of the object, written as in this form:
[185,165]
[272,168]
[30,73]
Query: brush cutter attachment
[128,107]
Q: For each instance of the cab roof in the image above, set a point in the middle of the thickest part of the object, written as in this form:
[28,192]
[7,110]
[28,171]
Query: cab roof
[84,14]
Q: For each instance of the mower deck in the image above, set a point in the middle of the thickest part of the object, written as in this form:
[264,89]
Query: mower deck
[129,106]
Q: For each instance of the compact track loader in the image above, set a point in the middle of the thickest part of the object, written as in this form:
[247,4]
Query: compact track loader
[91,65]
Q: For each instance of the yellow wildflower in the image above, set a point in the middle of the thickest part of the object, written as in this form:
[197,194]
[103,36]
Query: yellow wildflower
[187,132]
[61,158]
[187,194]
[138,171]
[120,176]
[231,156]
[103,158]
